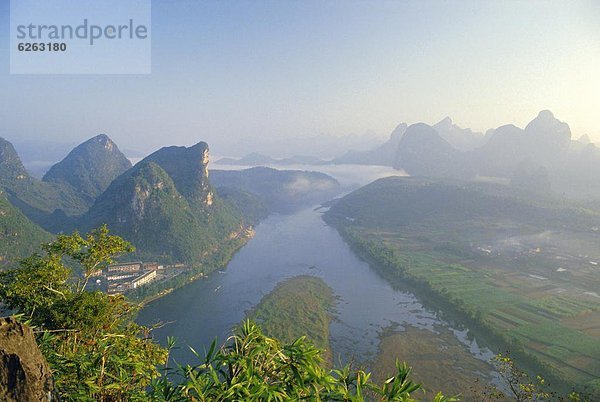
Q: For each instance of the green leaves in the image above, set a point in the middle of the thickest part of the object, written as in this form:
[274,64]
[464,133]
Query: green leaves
[254,367]
[94,348]
[38,284]
[95,251]
[395,388]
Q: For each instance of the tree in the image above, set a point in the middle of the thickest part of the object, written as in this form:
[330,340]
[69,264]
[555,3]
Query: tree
[93,346]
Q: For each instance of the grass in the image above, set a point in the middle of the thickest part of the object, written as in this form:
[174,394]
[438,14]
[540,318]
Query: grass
[438,360]
[300,306]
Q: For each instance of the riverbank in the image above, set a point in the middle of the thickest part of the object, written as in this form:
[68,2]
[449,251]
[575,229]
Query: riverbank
[393,265]
[218,260]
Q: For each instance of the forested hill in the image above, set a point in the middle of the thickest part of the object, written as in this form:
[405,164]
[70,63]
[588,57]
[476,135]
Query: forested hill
[19,237]
[279,190]
[393,202]
[166,207]
[38,200]
[90,167]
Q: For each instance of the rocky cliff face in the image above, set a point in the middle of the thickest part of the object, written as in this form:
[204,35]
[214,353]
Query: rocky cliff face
[128,198]
[11,167]
[24,373]
[90,167]
[165,206]
[188,167]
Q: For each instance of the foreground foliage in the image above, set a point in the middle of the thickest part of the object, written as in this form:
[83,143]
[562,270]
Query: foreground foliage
[93,346]
[252,366]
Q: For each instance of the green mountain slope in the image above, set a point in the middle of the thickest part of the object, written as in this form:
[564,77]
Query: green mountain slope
[188,167]
[19,237]
[146,206]
[90,167]
[394,202]
[36,199]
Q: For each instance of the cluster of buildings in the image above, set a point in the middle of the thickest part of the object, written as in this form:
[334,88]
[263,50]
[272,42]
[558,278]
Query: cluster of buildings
[119,278]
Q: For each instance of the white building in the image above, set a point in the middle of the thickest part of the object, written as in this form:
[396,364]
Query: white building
[143,279]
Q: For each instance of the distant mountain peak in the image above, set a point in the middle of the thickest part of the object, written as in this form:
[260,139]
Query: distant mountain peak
[546,115]
[90,167]
[463,139]
[10,163]
[421,134]
[549,128]
[399,131]
[424,152]
[200,146]
[585,139]
[546,119]
[105,141]
[445,122]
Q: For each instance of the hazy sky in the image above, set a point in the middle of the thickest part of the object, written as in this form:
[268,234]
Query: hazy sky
[224,70]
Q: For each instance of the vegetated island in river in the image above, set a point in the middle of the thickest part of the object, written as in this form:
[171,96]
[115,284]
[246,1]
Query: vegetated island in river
[299,306]
[517,268]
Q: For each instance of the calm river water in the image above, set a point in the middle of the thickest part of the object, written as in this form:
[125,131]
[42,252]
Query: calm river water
[287,246]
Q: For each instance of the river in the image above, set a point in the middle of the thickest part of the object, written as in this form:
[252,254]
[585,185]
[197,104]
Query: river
[285,246]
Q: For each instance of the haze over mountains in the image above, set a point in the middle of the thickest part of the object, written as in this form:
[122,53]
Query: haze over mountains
[322,146]
[279,190]
[543,156]
[178,212]
[165,204]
